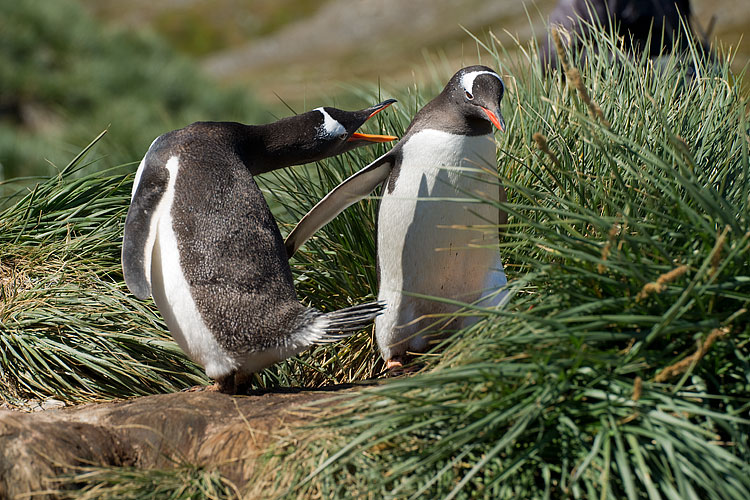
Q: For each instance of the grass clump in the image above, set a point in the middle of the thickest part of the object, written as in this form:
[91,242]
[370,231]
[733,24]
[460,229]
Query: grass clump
[619,368]
[181,482]
[69,329]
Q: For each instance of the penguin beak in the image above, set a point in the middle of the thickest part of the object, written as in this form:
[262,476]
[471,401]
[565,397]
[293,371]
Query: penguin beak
[496,119]
[356,136]
[379,107]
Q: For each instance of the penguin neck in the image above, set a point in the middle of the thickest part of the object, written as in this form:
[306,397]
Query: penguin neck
[281,144]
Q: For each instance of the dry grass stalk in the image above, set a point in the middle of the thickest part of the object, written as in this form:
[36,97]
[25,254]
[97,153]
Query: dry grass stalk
[637,388]
[637,391]
[574,78]
[661,282]
[605,254]
[541,143]
[12,280]
[682,366]
[560,50]
[613,233]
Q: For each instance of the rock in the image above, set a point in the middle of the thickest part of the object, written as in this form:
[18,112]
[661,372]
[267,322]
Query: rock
[200,428]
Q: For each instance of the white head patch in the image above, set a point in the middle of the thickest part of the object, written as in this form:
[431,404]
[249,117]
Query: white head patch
[330,127]
[467,79]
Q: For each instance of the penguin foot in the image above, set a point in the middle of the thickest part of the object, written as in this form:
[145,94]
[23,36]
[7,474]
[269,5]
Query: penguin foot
[401,365]
[242,382]
[234,383]
[225,385]
[394,364]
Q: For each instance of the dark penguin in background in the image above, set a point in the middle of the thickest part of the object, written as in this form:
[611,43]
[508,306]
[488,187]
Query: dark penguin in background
[201,239]
[433,239]
[651,26]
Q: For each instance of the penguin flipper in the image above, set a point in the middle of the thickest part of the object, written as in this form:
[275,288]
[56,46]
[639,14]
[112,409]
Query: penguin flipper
[347,193]
[140,226]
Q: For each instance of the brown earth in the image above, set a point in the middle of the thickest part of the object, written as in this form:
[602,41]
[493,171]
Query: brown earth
[199,428]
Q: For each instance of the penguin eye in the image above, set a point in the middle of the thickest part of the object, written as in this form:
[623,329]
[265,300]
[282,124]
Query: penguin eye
[342,136]
[469,96]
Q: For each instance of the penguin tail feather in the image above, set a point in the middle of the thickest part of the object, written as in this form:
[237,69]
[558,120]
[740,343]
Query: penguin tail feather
[341,324]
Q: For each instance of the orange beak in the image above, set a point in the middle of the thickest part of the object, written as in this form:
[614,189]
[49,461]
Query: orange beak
[356,136]
[498,122]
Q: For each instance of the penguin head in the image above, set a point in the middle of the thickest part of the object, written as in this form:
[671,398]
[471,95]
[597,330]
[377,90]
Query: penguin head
[478,90]
[336,129]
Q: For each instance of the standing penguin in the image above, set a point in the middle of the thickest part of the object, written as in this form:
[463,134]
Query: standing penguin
[201,239]
[433,239]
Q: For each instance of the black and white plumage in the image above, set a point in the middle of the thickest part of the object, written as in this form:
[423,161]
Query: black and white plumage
[433,238]
[201,239]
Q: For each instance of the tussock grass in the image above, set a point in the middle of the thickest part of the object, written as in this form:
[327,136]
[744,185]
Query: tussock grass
[619,368]
[69,327]
[184,481]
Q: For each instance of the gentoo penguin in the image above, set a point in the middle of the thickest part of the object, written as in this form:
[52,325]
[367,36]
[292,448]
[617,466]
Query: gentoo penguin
[433,239]
[201,239]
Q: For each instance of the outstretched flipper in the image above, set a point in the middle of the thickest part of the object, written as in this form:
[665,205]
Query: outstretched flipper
[149,187]
[344,195]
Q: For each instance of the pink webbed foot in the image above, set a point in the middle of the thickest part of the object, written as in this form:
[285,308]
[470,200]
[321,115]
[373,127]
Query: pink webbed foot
[394,364]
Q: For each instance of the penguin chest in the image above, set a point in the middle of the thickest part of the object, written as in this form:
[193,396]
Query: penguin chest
[435,237]
[173,295]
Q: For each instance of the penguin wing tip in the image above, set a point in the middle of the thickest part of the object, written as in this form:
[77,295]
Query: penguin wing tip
[291,248]
[135,274]
[140,288]
[142,294]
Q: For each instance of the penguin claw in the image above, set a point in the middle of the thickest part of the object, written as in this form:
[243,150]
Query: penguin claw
[215,387]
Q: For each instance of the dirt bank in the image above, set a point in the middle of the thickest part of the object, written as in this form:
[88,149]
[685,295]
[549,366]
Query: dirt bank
[200,428]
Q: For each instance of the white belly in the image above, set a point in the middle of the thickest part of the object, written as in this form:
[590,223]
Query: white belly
[172,296]
[434,238]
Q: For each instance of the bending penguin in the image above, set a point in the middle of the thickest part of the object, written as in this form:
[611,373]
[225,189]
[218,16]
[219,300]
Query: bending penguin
[201,239]
[434,238]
